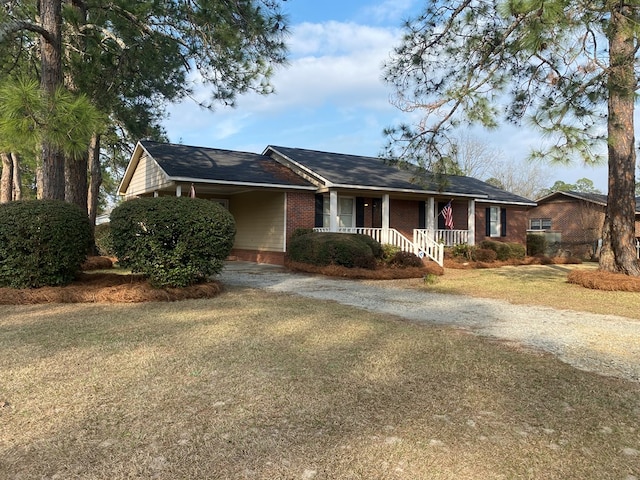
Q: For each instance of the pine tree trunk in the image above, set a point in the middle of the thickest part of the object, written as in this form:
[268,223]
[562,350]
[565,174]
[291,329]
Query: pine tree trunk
[6,181]
[17,177]
[52,159]
[75,181]
[95,178]
[620,215]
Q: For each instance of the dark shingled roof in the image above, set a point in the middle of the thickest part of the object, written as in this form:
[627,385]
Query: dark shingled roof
[359,171]
[210,164]
[589,197]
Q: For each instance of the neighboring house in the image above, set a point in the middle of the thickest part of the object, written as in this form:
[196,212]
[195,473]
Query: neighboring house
[572,222]
[272,194]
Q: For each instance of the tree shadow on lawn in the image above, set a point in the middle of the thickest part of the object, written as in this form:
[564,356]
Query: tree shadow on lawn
[260,385]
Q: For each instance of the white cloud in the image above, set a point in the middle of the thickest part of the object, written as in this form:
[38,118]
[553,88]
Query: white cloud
[335,66]
[333,62]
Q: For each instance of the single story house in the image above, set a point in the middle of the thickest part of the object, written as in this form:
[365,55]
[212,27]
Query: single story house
[273,193]
[572,222]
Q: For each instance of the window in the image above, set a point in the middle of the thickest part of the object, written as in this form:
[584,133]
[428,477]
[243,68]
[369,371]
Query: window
[540,224]
[494,222]
[346,212]
[496,219]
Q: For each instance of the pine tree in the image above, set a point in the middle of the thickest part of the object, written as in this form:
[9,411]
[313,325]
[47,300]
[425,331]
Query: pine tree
[567,68]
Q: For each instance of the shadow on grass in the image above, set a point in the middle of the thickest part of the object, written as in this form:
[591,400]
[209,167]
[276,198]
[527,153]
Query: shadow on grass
[259,385]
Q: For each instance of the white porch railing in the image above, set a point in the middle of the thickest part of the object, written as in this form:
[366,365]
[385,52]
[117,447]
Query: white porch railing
[421,243]
[424,242]
[451,238]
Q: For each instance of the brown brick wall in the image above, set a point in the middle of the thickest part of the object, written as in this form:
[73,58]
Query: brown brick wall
[257,256]
[579,223]
[300,211]
[516,225]
[404,216]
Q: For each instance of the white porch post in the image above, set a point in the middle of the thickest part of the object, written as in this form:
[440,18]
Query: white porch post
[385,218]
[333,211]
[431,216]
[178,190]
[471,222]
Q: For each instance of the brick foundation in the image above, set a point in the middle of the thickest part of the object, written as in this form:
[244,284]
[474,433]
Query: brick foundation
[256,256]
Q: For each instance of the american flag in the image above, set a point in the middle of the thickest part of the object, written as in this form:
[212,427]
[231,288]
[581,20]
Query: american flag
[447,213]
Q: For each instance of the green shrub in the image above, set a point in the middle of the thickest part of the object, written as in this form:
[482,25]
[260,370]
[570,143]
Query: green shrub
[321,249]
[388,251]
[42,243]
[404,260]
[502,249]
[536,244]
[463,251]
[174,241]
[505,251]
[517,251]
[298,232]
[104,243]
[485,255]
[376,247]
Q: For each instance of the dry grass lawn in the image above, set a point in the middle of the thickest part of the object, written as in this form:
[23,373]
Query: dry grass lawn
[535,285]
[263,386]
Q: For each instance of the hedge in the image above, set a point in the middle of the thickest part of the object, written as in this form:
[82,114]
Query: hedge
[42,243]
[173,241]
[328,248]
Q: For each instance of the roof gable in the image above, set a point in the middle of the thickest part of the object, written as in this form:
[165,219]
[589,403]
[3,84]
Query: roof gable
[190,163]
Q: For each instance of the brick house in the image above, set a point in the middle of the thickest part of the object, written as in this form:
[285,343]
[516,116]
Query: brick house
[572,222]
[272,194]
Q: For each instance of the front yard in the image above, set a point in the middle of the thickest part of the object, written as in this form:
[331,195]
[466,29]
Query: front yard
[269,386]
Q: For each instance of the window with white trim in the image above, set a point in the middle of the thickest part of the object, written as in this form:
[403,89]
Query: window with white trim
[540,224]
[494,222]
[346,212]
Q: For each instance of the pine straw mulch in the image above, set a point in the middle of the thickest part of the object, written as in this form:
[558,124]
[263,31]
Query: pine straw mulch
[608,281]
[103,287]
[460,264]
[389,273]
[593,279]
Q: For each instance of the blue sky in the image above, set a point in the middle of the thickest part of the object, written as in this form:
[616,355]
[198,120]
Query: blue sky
[331,97]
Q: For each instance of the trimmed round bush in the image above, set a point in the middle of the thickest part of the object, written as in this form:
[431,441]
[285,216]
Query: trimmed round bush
[485,255]
[42,243]
[405,260]
[173,241]
[502,249]
[517,251]
[323,248]
[505,251]
[376,246]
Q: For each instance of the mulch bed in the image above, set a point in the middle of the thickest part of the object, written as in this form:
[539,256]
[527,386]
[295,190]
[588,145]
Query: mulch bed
[461,264]
[607,281]
[106,287]
[389,273]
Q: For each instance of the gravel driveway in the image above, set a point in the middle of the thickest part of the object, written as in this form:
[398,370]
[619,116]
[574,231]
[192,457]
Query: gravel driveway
[606,344]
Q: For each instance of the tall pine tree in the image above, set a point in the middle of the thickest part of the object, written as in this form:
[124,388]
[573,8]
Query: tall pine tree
[568,68]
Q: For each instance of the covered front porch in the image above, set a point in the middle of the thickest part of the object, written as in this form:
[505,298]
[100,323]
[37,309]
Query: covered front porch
[413,224]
